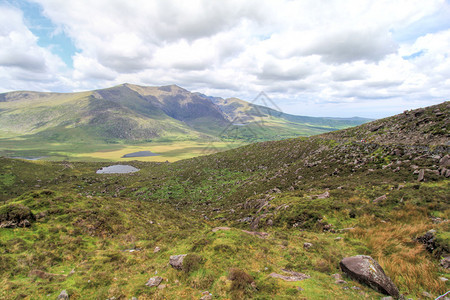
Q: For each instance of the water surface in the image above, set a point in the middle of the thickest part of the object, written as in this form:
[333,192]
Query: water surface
[117,169]
[140,154]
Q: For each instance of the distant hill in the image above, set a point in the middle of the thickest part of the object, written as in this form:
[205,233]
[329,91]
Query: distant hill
[131,112]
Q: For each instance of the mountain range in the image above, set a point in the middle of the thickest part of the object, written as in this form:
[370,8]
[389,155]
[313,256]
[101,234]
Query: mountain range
[138,113]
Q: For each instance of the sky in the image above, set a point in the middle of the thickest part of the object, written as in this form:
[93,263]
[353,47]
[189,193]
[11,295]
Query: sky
[318,58]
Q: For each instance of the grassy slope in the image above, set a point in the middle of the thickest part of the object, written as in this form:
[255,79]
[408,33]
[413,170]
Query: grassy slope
[90,218]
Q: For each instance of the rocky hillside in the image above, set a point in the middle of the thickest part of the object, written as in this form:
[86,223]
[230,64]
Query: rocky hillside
[307,218]
[425,126]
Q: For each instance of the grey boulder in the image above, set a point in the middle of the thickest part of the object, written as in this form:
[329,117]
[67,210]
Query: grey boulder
[176,261]
[367,270]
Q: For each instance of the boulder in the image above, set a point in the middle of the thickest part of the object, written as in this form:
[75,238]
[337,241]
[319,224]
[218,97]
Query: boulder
[445,161]
[63,295]
[154,281]
[367,270]
[176,261]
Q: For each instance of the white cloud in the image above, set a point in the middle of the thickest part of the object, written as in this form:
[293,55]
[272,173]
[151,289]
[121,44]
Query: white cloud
[321,52]
[23,63]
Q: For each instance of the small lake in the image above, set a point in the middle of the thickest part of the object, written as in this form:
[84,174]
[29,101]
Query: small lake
[29,157]
[117,169]
[140,154]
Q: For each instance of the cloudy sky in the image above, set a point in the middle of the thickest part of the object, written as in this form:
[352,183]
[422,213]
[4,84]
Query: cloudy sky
[318,58]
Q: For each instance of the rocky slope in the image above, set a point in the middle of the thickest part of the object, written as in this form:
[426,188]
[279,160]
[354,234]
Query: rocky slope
[425,126]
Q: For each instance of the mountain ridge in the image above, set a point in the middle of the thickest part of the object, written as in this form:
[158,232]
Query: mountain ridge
[131,114]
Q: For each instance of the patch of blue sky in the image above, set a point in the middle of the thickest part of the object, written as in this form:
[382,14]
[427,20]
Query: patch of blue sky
[434,23]
[49,35]
[414,55]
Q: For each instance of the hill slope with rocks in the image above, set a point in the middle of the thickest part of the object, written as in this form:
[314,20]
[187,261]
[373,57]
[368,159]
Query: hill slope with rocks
[308,218]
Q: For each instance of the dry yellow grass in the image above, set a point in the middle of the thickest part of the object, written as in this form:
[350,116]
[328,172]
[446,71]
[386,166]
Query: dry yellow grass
[403,259]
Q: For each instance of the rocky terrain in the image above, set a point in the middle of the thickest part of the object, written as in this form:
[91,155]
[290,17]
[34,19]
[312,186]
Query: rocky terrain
[360,213]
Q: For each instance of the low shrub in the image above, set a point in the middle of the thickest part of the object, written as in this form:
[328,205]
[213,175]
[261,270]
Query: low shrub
[192,262]
[240,280]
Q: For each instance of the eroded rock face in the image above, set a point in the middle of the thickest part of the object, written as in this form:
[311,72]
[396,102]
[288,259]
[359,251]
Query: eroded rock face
[176,261]
[367,270]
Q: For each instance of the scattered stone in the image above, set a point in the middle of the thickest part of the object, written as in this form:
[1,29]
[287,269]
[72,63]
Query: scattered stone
[324,195]
[299,288]
[307,245]
[367,270]
[157,249]
[443,279]
[445,262]
[357,288]
[154,281]
[387,298]
[176,261]
[338,238]
[421,176]
[261,235]
[427,295]
[63,295]
[293,276]
[379,199]
[338,279]
[162,286]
